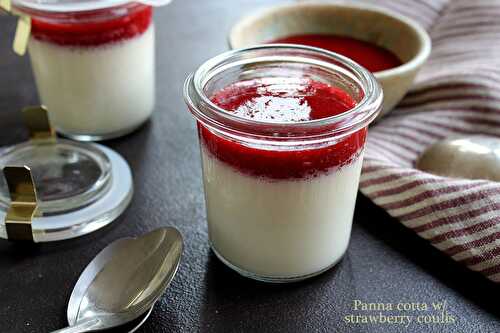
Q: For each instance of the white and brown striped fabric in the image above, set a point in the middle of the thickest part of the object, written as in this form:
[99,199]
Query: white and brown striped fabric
[457,92]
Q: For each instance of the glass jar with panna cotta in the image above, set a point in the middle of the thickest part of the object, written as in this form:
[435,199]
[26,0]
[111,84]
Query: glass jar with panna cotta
[94,65]
[282,131]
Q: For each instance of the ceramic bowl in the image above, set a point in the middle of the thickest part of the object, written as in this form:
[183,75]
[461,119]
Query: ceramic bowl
[382,27]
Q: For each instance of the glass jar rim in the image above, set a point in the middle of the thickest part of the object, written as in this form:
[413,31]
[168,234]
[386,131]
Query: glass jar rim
[95,14]
[72,6]
[339,125]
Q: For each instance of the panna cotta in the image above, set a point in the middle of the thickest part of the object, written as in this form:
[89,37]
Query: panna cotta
[95,70]
[281,213]
[279,190]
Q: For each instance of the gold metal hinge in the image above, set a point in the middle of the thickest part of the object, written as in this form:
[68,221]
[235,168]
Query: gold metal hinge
[5,5]
[23,203]
[36,119]
[23,30]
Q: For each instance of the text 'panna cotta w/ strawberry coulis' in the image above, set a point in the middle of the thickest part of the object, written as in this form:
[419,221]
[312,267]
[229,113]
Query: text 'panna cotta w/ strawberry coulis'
[282,132]
[94,65]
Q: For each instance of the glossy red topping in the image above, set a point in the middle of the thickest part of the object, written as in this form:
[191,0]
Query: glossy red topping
[285,101]
[372,57]
[92,28]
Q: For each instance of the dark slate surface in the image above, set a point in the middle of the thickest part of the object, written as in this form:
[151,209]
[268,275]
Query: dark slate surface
[385,262]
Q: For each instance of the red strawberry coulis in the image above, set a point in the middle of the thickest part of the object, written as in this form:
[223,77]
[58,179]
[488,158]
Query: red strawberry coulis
[92,28]
[283,100]
[372,57]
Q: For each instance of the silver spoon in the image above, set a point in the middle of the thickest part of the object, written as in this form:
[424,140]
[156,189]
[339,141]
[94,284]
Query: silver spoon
[124,281]
[469,156]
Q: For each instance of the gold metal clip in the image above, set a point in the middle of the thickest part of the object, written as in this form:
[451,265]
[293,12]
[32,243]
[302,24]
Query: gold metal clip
[36,119]
[23,203]
[22,36]
[5,5]
[23,30]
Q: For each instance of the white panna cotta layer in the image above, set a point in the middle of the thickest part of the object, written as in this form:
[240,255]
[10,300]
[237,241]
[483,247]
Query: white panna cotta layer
[96,90]
[279,228]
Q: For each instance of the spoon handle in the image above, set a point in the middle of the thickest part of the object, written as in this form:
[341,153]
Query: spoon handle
[84,326]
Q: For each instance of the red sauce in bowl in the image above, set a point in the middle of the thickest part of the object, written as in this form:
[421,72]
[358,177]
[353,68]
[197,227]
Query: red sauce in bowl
[284,101]
[372,57]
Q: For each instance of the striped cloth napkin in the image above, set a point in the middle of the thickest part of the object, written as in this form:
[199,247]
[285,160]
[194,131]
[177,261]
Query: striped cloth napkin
[457,92]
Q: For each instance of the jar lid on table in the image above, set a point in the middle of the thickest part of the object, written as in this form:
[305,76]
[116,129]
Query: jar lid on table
[55,189]
[64,6]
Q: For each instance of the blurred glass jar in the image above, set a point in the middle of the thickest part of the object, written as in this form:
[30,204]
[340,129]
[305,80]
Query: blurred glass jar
[95,69]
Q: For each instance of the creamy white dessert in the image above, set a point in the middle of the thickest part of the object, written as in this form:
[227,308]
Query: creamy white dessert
[278,211]
[279,228]
[93,86]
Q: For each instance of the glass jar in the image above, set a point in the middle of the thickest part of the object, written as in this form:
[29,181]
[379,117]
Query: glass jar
[280,196]
[95,69]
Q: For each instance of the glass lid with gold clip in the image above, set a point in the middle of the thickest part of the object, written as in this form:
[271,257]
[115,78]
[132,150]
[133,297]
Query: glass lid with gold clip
[54,189]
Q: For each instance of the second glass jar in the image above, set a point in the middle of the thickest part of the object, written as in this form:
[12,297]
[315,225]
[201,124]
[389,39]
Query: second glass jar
[95,70]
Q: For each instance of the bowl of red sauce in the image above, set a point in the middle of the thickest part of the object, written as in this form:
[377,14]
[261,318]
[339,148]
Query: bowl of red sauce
[390,45]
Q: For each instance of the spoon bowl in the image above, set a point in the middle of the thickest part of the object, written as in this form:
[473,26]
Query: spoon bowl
[124,281]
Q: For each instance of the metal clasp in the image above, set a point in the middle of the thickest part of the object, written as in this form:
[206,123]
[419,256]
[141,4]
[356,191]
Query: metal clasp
[36,119]
[22,190]
[23,205]
[5,5]
[23,30]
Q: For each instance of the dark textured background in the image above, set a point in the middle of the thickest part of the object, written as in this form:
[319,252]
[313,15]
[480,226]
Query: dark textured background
[384,263]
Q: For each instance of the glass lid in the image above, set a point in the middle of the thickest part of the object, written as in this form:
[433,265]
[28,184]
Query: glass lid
[67,175]
[53,189]
[80,188]
[80,5]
